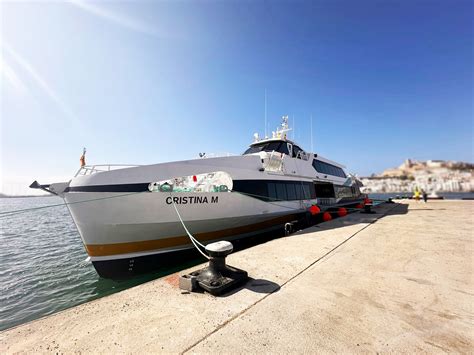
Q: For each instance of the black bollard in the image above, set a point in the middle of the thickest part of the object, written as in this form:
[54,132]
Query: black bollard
[368,209]
[217,277]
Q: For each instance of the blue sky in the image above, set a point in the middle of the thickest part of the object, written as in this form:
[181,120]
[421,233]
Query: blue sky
[144,82]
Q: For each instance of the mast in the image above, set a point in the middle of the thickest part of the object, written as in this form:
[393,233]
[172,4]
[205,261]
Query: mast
[282,129]
[266,113]
[294,127]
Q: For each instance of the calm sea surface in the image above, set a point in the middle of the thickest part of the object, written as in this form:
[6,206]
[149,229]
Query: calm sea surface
[43,267]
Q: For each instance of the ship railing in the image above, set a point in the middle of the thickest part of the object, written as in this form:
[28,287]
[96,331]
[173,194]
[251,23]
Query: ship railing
[273,162]
[92,169]
[216,155]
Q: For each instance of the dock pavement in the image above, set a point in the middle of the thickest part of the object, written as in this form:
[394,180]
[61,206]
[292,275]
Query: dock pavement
[400,280]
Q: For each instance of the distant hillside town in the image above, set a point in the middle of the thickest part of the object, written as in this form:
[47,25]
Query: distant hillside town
[431,176]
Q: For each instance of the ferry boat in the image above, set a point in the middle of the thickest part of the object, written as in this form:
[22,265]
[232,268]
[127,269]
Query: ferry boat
[129,216]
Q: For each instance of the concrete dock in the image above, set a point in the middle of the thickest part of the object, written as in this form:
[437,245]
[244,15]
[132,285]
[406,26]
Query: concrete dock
[400,280]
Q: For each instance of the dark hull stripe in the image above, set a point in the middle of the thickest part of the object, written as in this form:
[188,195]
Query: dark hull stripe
[119,269]
[265,190]
[141,187]
[180,241]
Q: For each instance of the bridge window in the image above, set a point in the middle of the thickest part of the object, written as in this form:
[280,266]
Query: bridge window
[277,146]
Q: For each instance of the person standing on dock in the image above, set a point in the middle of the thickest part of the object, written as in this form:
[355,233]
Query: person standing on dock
[417,194]
[425,196]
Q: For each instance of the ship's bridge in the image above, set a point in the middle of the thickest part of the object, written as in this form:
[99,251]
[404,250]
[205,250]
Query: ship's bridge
[279,146]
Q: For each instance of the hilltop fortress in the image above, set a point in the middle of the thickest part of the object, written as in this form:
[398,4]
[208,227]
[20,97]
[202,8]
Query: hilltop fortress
[431,176]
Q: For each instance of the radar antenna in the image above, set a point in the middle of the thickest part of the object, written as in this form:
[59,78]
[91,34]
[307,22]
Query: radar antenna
[283,129]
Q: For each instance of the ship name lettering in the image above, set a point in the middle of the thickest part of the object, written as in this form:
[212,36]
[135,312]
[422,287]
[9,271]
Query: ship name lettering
[184,200]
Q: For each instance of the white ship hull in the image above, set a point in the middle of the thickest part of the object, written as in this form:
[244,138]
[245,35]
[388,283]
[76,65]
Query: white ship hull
[126,216]
[113,226]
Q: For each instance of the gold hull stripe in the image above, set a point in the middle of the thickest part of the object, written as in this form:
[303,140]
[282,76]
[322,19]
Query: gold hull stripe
[163,243]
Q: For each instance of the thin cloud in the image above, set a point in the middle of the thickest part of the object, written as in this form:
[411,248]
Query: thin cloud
[119,19]
[40,81]
[11,77]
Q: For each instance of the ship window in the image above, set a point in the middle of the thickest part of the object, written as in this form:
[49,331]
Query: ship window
[284,149]
[276,190]
[328,169]
[277,146]
[260,189]
[318,166]
[254,149]
[343,191]
[273,146]
[253,188]
[290,189]
[281,191]
[306,192]
[297,151]
[299,192]
[324,190]
[272,195]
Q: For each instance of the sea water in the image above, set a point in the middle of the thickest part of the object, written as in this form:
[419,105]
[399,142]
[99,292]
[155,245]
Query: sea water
[43,264]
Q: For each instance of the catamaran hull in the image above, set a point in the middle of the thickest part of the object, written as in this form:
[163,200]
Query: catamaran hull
[129,220]
[123,233]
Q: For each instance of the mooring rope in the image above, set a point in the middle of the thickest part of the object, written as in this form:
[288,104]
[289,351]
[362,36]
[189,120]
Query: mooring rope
[14,212]
[193,240]
[11,213]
